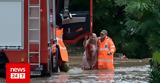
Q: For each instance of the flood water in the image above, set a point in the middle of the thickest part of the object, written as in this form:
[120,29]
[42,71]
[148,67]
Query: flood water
[136,74]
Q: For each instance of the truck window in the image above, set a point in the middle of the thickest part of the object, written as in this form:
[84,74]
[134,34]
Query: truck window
[11,24]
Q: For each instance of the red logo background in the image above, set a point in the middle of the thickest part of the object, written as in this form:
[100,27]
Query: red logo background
[17,76]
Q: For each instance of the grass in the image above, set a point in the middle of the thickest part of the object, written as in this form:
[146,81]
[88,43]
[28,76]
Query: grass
[156,57]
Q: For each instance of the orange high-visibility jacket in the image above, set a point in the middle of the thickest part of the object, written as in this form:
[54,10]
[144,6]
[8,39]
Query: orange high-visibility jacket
[105,61]
[62,47]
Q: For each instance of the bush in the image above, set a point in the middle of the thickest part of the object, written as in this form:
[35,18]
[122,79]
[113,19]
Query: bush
[155,73]
[136,49]
[156,57]
[130,48]
[155,68]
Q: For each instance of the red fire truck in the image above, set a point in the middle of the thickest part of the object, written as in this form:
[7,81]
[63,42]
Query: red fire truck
[26,35]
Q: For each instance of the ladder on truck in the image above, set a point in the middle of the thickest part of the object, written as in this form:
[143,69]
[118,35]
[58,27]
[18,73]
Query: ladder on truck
[34,36]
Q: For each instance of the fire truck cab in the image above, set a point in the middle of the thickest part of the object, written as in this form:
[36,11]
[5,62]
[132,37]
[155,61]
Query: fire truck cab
[26,34]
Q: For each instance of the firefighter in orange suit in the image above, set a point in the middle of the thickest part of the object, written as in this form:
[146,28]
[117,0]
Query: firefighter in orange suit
[106,50]
[62,50]
[63,53]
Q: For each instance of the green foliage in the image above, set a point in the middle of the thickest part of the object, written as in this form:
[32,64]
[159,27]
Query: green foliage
[142,19]
[155,68]
[135,49]
[131,23]
[132,26]
[156,57]
[154,38]
[130,48]
[155,72]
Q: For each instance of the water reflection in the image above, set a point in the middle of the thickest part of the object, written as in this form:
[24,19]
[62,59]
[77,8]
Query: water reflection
[62,78]
[105,76]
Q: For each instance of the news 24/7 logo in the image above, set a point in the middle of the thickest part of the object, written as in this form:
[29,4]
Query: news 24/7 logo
[18,73]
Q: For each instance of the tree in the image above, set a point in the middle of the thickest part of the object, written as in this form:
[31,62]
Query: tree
[132,24]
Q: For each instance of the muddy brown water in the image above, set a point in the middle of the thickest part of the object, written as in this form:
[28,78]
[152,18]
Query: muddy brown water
[126,71]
